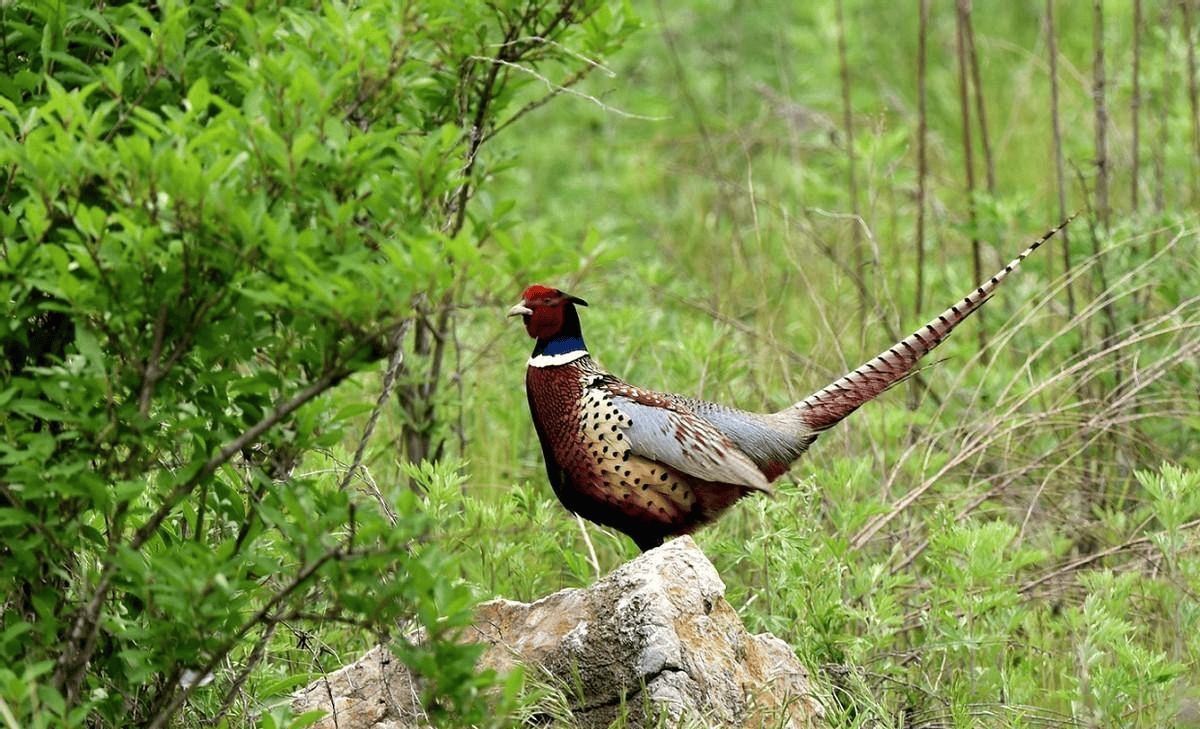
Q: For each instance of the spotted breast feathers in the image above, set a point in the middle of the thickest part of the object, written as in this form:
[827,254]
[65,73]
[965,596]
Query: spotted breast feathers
[633,459]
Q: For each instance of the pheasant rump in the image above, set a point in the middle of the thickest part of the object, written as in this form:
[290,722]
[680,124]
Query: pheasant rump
[655,465]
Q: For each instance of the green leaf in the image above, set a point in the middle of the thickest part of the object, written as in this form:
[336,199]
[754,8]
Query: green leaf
[353,410]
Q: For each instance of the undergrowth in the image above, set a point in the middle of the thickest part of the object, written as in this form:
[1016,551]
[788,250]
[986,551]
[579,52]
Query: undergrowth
[1007,538]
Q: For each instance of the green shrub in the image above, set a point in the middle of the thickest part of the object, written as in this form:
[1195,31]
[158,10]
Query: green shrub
[215,214]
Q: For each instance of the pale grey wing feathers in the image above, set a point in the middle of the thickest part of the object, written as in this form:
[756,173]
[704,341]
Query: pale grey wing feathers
[687,443]
[772,441]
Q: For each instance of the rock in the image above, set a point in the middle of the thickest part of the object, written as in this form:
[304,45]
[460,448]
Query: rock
[655,636]
[375,692]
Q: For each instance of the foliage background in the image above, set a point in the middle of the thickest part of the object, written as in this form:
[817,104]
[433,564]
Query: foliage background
[741,191]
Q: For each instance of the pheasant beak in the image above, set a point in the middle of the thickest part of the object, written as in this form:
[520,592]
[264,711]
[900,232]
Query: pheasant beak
[520,310]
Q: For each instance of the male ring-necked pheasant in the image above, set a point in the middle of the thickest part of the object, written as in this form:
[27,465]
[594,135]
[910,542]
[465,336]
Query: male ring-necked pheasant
[655,465]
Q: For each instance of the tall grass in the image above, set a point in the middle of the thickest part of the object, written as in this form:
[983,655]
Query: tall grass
[1008,542]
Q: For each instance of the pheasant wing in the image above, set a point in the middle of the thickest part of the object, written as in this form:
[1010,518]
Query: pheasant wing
[660,428]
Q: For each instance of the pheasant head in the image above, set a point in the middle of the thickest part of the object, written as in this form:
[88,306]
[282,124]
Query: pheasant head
[550,318]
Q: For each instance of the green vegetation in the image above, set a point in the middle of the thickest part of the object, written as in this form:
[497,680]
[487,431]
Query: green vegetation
[215,218]
[219,220]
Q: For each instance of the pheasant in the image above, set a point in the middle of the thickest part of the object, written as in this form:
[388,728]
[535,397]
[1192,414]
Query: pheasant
[655,465]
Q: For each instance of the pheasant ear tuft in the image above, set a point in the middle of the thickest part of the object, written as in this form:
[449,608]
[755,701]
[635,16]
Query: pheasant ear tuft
[537,292]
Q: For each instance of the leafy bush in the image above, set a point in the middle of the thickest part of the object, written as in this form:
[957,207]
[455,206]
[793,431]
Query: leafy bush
[215,214]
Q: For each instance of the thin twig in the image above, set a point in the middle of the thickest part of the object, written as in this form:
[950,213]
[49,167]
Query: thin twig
[588,541]
[1096,557]
[851,158]
[1060,179]
[260,617]
[985,145]
[556,89]
[1135,104]
[385,393]
[962,18]
[152,373]
[922,154]
[256,656]
[1101,115]
[1193,88]
[685,88]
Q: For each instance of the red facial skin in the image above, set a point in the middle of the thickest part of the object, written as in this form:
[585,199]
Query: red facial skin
[545,305]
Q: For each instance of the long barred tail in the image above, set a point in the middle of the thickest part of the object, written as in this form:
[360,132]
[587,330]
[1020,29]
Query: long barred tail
[827,406]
